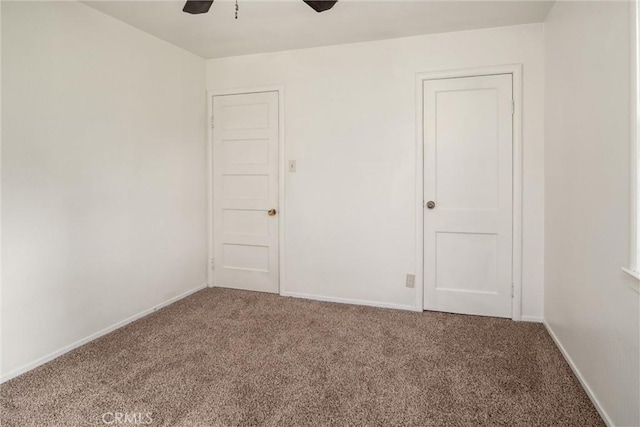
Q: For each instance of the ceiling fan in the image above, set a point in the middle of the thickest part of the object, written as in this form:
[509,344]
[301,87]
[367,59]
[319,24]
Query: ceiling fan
[196,6]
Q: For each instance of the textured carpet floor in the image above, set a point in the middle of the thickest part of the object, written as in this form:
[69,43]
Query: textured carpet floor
[225,357]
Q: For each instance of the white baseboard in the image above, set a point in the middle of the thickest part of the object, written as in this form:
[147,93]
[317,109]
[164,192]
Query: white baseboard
[534,319]
[578,374]
[41,361]
[350,301]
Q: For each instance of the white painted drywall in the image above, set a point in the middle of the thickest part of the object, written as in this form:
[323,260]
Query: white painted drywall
[350,125]
[274,26]
[103,175]
[589,304]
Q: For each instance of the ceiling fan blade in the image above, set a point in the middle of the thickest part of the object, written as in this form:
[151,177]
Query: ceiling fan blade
[321,5]
[196,7]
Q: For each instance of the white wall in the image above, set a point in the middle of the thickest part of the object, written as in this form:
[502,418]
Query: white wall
[589,304]
[103,175]
[350,124]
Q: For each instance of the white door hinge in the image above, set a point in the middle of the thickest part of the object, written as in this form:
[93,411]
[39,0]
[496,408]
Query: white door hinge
[512,290]
[211,122]
[213,263]
[513,107]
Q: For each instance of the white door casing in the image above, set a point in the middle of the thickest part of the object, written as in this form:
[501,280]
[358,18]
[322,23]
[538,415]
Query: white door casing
[245,187]
[468,174]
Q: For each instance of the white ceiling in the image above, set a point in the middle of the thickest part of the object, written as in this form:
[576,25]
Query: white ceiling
[269,26]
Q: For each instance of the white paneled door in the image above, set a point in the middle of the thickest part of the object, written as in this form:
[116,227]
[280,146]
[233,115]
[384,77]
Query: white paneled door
[468,184]
[245,191]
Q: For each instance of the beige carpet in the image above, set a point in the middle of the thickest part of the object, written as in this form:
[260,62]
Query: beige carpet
[224,357]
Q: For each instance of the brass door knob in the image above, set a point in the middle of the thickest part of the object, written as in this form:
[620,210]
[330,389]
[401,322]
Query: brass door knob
[271,212]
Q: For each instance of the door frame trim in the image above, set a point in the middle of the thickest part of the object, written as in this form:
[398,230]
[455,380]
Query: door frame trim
[516,71]
[279,89]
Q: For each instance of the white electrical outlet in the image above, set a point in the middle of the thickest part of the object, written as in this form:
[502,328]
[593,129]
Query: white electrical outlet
[292,166]
[411,280]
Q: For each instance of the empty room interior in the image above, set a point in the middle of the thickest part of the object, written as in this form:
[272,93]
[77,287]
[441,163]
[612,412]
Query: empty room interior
[301,213]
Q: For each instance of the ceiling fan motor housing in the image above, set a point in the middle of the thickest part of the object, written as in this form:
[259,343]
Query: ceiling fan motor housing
[196,7]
